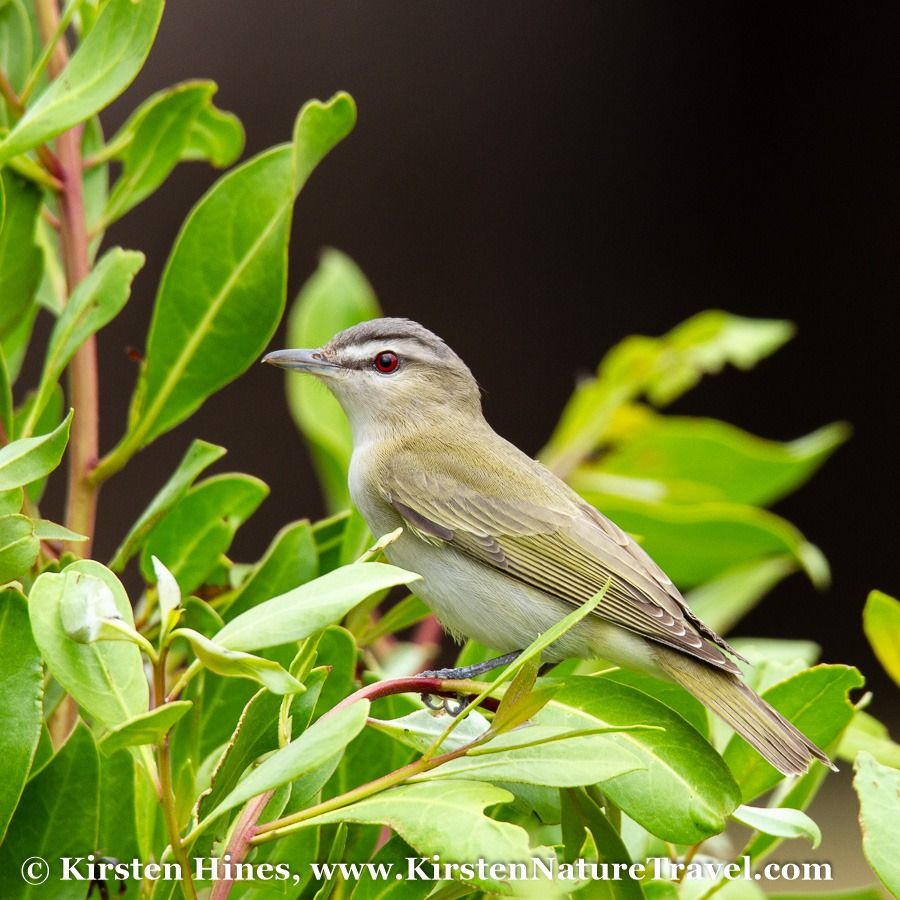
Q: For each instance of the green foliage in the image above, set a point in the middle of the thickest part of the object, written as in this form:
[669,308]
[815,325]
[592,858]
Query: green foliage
[265,706]
[336,297]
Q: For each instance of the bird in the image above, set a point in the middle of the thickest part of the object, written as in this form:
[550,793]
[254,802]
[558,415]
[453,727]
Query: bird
[503,546]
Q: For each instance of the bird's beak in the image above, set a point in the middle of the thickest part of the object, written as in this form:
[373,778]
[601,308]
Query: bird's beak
[311,361]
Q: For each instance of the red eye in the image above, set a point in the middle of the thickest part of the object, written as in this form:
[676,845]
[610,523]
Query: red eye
[386,362]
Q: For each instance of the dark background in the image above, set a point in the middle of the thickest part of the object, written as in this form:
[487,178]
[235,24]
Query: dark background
[533,181]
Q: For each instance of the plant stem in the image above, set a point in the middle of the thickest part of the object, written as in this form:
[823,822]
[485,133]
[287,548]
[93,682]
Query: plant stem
[49,48]
[81,504]
[167,793]
[8,92]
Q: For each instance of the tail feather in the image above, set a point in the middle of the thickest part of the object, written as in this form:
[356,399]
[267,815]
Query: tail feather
[763,727]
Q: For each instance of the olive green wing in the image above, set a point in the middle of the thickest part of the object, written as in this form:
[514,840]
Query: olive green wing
[553,542]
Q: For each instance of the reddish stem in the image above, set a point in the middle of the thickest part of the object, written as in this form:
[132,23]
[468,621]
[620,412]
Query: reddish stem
[81,504]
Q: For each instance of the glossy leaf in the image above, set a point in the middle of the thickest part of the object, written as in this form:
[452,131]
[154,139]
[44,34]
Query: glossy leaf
[199,456]
[580,808]
[546,755]
[722,602]
[694,460]
[215,137]
[878,788]
[881,622]
[21,259]
[147,728]
[51,531]
[58,817]
[663,368]
[699,542]
[237,664]
[160,133]
[18,547]
[168,592]
[780,822]
[290,560]
[29,459]
[443,817]
[816,702]
[6,399]
[96,301]
[16,46]
[672,695]
[100,69]
[684,792]
[865,732]
[335,297]
[200,527]
[20,701]
[214,313]
[311,607]
[105,678]
[256,733]
[313,749]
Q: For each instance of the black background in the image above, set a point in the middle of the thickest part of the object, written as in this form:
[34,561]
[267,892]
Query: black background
[533,181]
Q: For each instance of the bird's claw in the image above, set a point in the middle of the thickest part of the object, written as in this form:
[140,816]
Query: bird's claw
[452,705]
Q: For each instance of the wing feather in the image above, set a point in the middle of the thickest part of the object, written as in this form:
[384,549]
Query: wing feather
[557,544]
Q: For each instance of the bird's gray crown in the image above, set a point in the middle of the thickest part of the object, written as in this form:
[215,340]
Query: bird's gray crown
[386,330]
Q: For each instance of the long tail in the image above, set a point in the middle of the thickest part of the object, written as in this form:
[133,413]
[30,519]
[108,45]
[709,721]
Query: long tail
[763,727]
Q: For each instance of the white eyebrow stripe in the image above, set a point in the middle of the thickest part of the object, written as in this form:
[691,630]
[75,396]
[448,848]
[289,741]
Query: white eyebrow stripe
[370,349]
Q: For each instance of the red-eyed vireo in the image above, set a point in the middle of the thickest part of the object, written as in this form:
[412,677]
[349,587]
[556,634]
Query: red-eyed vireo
[504,547]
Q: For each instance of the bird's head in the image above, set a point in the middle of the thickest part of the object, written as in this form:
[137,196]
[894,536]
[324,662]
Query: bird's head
[389,373]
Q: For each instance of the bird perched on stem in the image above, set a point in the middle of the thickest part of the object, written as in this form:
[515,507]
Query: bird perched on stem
[504,547]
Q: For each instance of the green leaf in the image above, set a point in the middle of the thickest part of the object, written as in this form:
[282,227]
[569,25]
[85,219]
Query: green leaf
[200,527]
[29,459]
[237,664]
[48,421]
[702,541]
[313,749]
[100,69]
[256,733]
[310,607]
[20,701]
[50,531]
[11,501]
[816,702]
[290,560]
[96,301]
[56,818]
[684,792]
[692,460]
[15,342]
[553,756]
[672,695]
[147,728]
[865,732]
[878,788]
[199,456]
[796,794]
[335,297]
[780,822]
[663,368]
[446,818]
[611,849]
[21,259]
[215,137]
[105,678]
[18,547]
[215,313]
[169,595]
[6,397]
[881,622]
[722,602]
[159,133]
[16,46]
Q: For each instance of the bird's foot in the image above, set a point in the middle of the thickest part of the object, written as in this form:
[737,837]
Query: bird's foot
[462,672]
[456,704]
